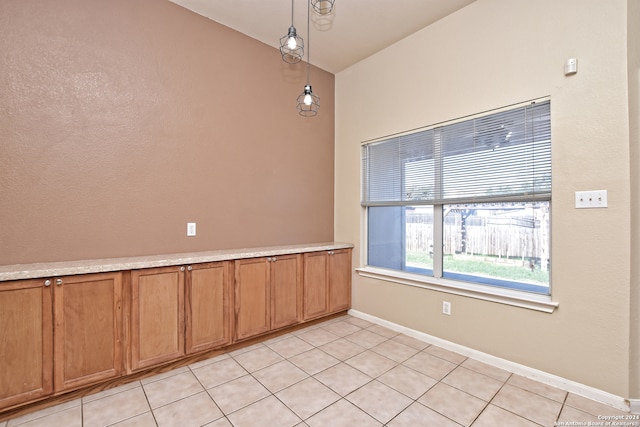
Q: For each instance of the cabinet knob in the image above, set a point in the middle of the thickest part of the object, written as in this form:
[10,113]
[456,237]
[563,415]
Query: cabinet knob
[274,259]
[47,282]
[182,268]
[190,268]
[269,259]
[58,282]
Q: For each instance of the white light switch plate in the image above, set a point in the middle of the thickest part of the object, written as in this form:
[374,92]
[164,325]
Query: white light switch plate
[591,199]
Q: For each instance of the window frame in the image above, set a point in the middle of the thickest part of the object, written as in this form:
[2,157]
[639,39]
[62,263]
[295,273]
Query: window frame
[505,295]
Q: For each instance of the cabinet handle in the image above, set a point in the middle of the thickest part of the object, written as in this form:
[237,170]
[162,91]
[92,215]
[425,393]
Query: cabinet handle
[58,282]
[273,259]
[182,268]
[190,268]
[47,283]
[269,259]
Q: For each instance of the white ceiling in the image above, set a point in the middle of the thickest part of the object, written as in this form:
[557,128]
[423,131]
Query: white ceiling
[355,29]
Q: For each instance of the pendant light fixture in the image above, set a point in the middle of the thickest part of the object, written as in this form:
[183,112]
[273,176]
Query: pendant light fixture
[291,45]
[323,7]
[308,102]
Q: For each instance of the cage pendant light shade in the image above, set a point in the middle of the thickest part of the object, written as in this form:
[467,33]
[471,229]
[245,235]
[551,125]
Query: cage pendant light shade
[323,7]
[291,45]
[308,102]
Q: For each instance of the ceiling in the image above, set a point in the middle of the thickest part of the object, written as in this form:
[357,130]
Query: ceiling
[355,29]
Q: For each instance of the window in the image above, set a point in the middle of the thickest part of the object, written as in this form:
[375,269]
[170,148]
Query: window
[466,201]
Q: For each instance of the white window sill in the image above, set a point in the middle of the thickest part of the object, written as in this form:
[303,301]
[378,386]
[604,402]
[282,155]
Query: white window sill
[503,296]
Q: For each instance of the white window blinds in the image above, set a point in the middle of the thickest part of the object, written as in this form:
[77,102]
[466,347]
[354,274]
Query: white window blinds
[496,157]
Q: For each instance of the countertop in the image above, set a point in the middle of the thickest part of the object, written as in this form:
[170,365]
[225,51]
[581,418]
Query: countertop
[67,268]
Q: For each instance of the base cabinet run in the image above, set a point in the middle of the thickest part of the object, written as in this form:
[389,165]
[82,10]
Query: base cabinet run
[65,333]
[59,334]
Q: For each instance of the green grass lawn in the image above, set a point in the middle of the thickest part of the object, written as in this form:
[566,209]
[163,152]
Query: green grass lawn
[478,265]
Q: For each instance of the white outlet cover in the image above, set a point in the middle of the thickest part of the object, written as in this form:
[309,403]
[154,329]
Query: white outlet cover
[591,199]
[191,229]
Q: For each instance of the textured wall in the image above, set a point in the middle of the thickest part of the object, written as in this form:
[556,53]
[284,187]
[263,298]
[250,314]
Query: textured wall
[121,121]
[490,54]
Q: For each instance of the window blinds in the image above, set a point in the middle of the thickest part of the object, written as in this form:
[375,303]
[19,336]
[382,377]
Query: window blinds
[495,157]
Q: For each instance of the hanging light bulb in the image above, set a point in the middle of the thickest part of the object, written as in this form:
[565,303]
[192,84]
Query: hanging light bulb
[323,7]
[308,102]
[291,45]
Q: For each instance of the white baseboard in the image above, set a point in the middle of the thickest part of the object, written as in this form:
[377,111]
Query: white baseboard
[516,368]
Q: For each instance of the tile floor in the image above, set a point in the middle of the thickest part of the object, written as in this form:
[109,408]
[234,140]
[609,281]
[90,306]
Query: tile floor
[343,372]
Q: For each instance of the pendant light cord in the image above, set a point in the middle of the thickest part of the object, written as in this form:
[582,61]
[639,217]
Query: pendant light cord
[308,39]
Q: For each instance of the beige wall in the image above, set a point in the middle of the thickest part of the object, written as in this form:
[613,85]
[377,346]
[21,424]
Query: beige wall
[491,54]
[121,121]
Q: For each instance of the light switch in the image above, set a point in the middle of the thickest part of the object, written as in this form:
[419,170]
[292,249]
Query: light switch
[591,199]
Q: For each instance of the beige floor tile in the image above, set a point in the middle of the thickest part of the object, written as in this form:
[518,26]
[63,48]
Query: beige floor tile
[474,383]
[238,393]
[341,328]
[142,420]
[307,397]
[407,381]
[222,422]
[576,416]
[488,370]
[318,337]
[112,409]
[430,365]
[164,375]
[418,415]
[453,403]
[342,414]
[111,391]
[43,413]
[380,401]
[314,361]
[591,406]
[410,341]
[290,346]
[394,350]
[70,417]
[381,330]
[366,339]
[248,348]
[536,387]
[343,379]
[258,358]
[193,411]
[528,405]
[448,355]
[205,362]
[342,349]
[494,416]
[170,389]
[279,375]
[268,412]
[359,322]
[371,363]
[217,373]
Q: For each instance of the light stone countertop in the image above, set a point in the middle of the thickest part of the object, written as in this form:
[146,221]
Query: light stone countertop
[68,268]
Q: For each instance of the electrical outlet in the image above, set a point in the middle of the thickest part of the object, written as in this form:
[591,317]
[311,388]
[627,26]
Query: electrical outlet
[591,199]
[446,308]
[191,229]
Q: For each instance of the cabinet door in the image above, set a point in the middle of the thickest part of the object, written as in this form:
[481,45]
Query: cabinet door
[157,316]
[339,280]
[315,285]
[88,329]
[286,290]
[26,341]
[207,306]
[252,291]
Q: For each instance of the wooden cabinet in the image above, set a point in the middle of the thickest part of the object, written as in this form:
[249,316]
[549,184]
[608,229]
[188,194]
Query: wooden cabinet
[26,341]
[207,310]
[327,282]
[87,329]
[157,316]
[267,294]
